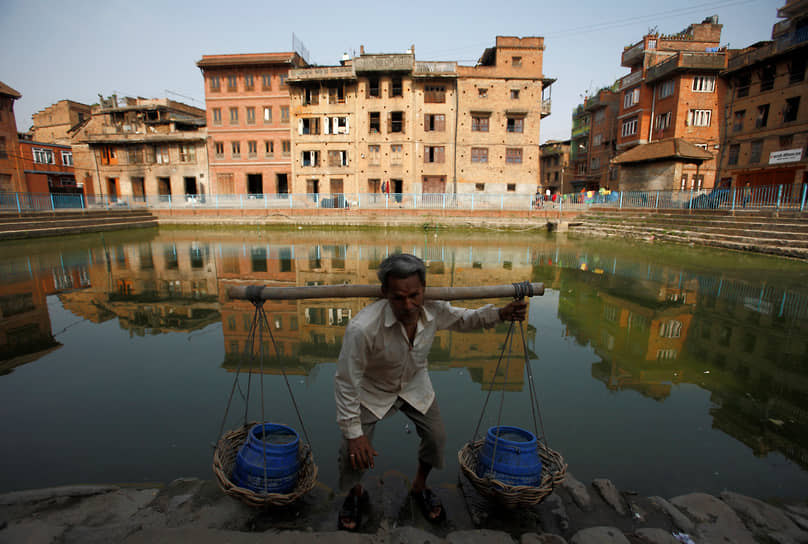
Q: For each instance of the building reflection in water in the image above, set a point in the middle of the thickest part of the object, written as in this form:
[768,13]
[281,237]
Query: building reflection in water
[651,326]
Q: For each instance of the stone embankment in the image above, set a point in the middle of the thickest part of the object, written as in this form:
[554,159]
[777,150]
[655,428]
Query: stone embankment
[782,233]
[191,510]
[16,226]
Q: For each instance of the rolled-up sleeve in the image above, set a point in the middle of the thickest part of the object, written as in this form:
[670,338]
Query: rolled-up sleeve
[464,319]
[348,381]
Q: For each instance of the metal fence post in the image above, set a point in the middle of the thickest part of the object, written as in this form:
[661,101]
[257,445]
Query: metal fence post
[472,201]
[444,201]
[241,201]
[265,201]
[621,200]
[779,194]
[18,202]
[804,191]
[52,206]
[734,190]
[656,204]
[690,203]
[386,200]
[81,199]
[501,202]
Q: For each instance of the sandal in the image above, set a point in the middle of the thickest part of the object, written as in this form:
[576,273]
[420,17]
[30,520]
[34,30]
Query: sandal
[429,501]
[351,511]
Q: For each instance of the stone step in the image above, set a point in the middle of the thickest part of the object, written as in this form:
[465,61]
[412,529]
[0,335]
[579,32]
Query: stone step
[71,223]
[800,225]
[59,231]
[784,234]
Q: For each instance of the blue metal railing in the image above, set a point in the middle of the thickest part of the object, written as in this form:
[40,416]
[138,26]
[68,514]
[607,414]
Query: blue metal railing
[768,197]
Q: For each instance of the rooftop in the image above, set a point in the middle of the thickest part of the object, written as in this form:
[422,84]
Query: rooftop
[669,148]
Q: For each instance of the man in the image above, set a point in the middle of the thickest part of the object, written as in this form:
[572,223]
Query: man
[382,368]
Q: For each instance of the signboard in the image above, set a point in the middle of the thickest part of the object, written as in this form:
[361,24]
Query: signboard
[788,155]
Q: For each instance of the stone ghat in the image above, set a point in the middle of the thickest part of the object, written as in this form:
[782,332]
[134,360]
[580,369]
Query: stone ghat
[192,510]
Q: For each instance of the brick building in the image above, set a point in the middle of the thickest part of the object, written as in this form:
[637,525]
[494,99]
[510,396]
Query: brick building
[48,168]
[767,124]
[579,148]
[602,108]
[142,148]
[11,176]
[673,91]
[248,119]
[555,165]
[52,124]
[387,123]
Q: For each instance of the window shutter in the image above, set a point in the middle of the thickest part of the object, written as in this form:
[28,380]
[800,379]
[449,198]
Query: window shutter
[325,126]
[347,131]
[440,123]
[439,154]
[403,124]
[342,160]
[300,126]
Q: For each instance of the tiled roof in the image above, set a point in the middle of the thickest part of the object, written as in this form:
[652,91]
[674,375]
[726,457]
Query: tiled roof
[5,89]
[246,59]
[669,148]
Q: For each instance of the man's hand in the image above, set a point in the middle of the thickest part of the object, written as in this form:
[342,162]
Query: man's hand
[361,452]
[515,311]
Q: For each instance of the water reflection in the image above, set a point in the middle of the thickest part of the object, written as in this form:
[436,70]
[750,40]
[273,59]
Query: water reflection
[652,323]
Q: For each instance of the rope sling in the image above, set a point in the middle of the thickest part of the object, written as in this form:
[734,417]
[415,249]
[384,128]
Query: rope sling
[554,469]
[228,445]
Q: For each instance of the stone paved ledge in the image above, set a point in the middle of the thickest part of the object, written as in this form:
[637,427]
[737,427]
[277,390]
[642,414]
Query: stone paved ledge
[192,510]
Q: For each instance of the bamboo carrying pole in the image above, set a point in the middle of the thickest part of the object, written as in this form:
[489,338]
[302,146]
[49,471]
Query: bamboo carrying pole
[375,291]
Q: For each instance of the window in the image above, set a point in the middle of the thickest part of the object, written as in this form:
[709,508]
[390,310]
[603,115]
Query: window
[600,116]
[434,154]
[217,116]
[336,125]
[479,123]
[375,122]
[767,78]
[266,82]
[396,121]
[792,107]
[434,122]
[161,154]
[43,156]
[631,97]
[235,150]
[513,155]
[284,114]
[252,149]
[479,186]
[699,118]
[594,163]
[308,125]
[373,88]
[232,83]
[396,88]
[651,44]
[338,158]
[134,155]
[597,140]
[516,124]
[311,96]
[267,115]
[286,148]
[479,154]
[796,69]
[233,116]
[396,154]
[336,95]
[214,84]
[482,92]
[704,84]
[269,148]
[434,94]
[737,120]
[666,89]
[514,94]
[762,116]
[249,82]
[309,158]
[67,158]
[374,155]
[282,79]
[250,115]
[755,149]
[629,127]
[663,120]
[374,185]
[3,151]
[516,61]
[218,150]
[734,151]
[786,140]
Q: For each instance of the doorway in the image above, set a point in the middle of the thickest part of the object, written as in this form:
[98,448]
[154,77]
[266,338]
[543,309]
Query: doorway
[190,185]
[112,189]
[255,184]
[283,184]
[164,188]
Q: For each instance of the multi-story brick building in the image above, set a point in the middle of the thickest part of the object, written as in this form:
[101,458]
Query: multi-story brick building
[142,148]
[602,108]
[248,118]
[52,124]
[11,176]
[673,91]
[767,123]
[555,162]
[48,168]
[579,148]
[387,123]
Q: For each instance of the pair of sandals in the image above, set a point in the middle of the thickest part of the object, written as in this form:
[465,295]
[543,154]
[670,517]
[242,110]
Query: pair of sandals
[351,511]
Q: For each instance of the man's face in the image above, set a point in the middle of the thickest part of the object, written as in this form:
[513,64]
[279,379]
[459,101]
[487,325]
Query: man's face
[406,296]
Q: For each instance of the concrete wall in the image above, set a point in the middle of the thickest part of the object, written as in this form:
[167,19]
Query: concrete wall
[651,176]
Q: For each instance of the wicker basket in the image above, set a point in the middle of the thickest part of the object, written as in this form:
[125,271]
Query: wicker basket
[224,457]
[553,472]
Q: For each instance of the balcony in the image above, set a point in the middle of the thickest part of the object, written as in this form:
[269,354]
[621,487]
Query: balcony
[633,55]
[781,44]
[316,74]
[546,107]
[687,61]
[630,80]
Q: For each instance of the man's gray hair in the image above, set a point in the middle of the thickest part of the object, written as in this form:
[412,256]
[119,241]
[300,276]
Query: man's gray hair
[401,265]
